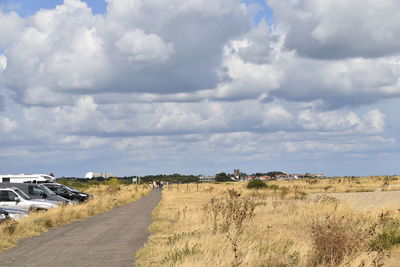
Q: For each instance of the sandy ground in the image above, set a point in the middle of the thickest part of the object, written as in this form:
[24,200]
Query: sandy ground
[367,200]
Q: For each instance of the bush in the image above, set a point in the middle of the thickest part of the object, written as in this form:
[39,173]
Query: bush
[386,233]
[230,215]
[256,184]
[273,187]
[114,184]
[387,239]
[334,238]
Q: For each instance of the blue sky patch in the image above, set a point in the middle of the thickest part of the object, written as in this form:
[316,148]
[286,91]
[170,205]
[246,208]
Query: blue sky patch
[265,12]
[26,8]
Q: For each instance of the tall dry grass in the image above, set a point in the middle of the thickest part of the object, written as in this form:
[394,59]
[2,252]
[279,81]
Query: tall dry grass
[39,222]
[286,228]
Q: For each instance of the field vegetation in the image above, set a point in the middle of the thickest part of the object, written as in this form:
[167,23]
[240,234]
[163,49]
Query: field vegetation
[106,196]
[286,223]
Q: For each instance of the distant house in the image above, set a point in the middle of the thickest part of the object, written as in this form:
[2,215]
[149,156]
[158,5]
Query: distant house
[208,179]
[250,177]
[314,175]
[91,175]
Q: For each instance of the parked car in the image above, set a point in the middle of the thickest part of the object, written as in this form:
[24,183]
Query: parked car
[4,215]
[12,214]
[37,191]
[14,198]
[68,192]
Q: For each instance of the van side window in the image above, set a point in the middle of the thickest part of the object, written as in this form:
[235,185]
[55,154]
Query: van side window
[7,196]
[35,190]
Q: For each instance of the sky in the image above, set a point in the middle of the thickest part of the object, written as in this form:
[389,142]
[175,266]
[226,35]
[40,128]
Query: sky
[137,87]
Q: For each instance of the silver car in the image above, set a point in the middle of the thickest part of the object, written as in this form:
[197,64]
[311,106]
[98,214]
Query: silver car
[13,198]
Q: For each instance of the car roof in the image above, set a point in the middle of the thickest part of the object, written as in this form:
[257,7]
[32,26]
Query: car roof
[8,188]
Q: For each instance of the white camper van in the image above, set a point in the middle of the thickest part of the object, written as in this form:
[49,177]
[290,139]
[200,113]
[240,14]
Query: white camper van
[26,178]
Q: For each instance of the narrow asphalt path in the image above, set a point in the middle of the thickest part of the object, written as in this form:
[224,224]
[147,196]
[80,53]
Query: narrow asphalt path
[108,239]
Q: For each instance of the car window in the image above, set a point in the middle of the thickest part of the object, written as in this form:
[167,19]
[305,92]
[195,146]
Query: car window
[46,190]
[35,190]
[52,188]
[60,189]
[72,189]
[7,196]
[22,194]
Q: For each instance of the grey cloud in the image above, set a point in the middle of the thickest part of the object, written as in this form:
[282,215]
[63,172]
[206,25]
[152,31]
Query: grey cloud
[198,33]
[340,28]
[133,48]
[349,82]
[87,118]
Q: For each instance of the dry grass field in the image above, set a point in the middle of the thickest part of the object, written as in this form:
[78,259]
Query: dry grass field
[335,222]
[38,222]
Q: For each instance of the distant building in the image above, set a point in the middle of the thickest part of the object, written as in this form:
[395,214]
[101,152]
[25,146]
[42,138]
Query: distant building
[314,175]
[208,179]
[265,177]
[91,175]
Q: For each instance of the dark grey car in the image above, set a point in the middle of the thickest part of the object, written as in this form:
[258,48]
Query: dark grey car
[36,191]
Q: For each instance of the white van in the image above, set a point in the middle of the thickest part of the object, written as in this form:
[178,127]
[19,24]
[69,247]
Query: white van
[26,178]
[14,198]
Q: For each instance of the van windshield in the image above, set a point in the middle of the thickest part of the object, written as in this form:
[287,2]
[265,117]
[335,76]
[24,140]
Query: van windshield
[21,194]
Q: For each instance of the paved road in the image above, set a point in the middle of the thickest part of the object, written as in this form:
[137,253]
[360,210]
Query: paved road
[108,239]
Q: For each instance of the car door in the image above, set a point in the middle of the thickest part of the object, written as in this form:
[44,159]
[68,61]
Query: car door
[7,200]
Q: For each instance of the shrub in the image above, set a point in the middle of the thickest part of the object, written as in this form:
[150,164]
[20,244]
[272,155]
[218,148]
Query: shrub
[230,214]
[177,255]
[257,184]
[273,187]
[386,233]
[114,184]
[388,237]
[334,238]
[283,191]
[10,227]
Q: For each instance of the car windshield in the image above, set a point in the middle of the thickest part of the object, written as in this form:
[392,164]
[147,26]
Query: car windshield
[22,194]
[71,189]
[46,190]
